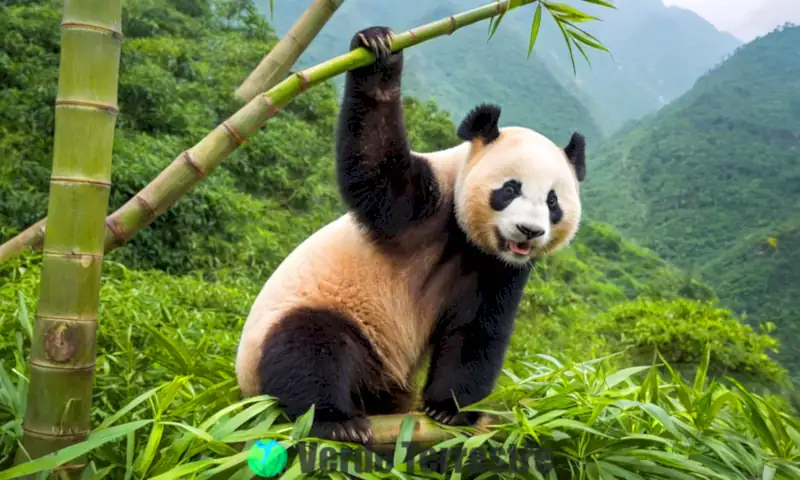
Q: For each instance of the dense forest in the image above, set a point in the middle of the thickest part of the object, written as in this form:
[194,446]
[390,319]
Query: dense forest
[174,299]
[712,183]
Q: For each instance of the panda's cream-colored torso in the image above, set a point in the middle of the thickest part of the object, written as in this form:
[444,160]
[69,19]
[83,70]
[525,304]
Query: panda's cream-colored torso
[395,298]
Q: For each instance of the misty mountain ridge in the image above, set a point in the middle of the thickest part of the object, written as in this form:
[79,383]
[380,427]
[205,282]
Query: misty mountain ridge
[657,52]
[712,182]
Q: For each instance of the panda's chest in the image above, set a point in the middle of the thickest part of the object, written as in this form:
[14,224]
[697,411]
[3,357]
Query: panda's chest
[436,277]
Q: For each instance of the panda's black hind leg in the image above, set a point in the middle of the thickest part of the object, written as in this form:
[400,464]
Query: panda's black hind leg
[317,357]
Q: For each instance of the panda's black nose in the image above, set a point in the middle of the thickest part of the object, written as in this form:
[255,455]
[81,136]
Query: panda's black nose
[530,231]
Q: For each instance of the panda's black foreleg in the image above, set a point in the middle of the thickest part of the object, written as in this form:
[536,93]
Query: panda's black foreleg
[465,365]
[469,348]
[317,357]
[384,184]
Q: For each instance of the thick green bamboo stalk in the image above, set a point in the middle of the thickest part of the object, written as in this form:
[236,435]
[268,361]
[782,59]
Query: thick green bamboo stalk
[192,165]
[279,60]
[62,357]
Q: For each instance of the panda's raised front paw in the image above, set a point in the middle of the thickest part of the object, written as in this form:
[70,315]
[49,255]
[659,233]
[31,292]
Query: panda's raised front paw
[447,413]
[377,39]
[355,430]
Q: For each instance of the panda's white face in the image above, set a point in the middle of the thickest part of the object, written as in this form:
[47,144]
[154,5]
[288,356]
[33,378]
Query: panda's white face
[518,197]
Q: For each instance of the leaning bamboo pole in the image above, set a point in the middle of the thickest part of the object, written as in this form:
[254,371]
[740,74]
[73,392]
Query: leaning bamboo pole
[279,60]
[194,164]
[62,358]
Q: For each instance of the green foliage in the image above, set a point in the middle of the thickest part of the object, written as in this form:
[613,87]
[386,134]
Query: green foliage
[174,300]
[166,404]
[681,328]
[707,181]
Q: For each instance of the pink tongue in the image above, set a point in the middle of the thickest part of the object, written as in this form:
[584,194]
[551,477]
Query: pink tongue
[514,246]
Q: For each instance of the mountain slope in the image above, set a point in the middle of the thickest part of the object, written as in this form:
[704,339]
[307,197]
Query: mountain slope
[461,70]
[658,52]
[711,177]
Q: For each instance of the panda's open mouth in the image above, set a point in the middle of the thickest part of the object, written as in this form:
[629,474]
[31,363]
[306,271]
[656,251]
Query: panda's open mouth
[519,248]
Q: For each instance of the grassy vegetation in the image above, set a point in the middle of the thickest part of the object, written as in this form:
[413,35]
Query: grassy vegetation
[709,180]
[174,299]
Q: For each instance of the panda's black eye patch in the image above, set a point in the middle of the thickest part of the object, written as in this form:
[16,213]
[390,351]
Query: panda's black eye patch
[503,196]
[552,199]
[556,213]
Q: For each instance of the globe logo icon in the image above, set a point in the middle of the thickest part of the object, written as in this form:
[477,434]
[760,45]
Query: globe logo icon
[266,458]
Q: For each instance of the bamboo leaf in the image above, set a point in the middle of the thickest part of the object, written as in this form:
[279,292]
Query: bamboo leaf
[601,2]
[149,453]
[302,426]
[702,370]
[22,315]
[537,20]
[620,376]
[54,460]
[570,13]
[406,431]
[569,45]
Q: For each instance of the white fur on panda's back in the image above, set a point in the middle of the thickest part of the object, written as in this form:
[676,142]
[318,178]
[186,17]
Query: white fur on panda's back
[337,268]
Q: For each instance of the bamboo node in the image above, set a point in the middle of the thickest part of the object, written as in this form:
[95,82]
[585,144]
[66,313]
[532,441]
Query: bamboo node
[75,435]
[303,81]
[82,256]
[61,342]
[109,108]
[115,231]
[150,210]
[233,133]
[187,157]
[413,35]
[79,180]
[271,108]
[93,26]
[453,25]
[81,368]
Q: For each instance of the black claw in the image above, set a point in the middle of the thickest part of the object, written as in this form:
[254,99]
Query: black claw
[356,430]
[378,40]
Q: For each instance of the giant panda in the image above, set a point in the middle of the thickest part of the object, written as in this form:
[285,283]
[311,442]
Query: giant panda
[431,258]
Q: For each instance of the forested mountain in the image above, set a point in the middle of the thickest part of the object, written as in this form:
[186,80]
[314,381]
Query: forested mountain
[712,182]
[173,300]
[658,52]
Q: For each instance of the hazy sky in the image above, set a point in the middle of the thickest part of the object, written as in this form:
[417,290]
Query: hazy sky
[722,13]
[744,18]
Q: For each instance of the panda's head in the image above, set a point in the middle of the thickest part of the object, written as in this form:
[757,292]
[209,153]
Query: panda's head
[517,193]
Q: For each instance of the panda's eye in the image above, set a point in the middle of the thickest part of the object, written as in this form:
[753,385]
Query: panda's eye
[552,200]
[509,190]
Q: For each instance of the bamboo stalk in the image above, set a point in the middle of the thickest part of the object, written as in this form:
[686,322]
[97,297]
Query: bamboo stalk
[279,60]
[192,165]
[63,347]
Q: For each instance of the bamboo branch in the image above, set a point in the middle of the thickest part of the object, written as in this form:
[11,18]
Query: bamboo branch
[63,345]
[31,237]
[192,165]
[279,60]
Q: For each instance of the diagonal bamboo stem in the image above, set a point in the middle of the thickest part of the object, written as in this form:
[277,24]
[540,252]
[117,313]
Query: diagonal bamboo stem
[279,60]
[192,165]
[62,356]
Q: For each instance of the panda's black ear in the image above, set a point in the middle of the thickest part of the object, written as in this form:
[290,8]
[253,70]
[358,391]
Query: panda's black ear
[576,154]
[480,122]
